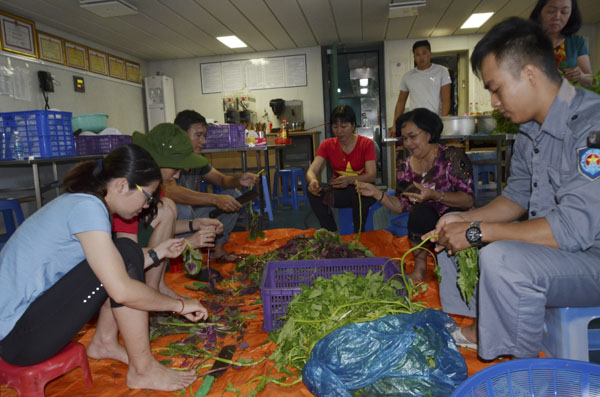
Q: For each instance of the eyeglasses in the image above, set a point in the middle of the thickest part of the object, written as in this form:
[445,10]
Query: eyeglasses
[148,195]
[409,138]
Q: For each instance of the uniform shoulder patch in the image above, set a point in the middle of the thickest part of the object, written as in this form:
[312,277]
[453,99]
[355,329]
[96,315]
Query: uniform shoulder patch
[589,162]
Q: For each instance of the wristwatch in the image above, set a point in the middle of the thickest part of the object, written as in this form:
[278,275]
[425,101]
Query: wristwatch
[474,234]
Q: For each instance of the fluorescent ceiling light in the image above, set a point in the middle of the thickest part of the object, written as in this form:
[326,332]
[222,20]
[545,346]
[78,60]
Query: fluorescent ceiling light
[232,41]
[364,91]
[339,90]
[476,20]
[364,82]
[108,8]
[407,8]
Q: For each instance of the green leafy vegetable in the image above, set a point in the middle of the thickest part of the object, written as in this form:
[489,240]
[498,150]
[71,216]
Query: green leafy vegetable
[323,245]
[503,124]
[192,259]
[468,272]
[331,303]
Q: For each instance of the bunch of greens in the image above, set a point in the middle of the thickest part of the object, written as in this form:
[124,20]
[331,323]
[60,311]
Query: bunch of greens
[503,124]
[468,272]
[323,245]
[332,303]
[192,260]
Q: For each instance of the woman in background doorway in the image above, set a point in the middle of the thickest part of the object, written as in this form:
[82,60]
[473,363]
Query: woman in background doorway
[352,158]
[561,19]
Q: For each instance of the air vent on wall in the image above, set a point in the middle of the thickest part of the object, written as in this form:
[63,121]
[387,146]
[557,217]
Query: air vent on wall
[108,8]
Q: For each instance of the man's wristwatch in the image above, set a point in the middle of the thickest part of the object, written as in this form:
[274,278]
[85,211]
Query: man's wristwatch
[474,234]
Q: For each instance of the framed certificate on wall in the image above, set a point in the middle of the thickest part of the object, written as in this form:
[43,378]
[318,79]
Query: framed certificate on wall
[98,61]
[116,67]
[134,71]
[76,55]
[18,35]
[51,48]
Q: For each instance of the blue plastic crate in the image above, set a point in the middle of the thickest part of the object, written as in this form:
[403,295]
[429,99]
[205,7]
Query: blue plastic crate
[43,133]
[534,377]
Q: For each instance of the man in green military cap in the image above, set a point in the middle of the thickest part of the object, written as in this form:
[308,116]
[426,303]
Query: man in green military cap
[172,151]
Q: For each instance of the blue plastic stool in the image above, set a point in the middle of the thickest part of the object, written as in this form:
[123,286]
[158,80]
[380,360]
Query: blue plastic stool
[267,195]
[533,377]
[204,187]
[484,171]
[289,187]
[10,209]
[566,333]
[345,222]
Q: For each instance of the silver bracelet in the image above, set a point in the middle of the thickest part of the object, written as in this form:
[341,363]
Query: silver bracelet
[441,197]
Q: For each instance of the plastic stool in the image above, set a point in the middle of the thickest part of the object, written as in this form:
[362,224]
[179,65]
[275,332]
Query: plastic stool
[267,195]
[566,333]
[204,187]
[399,225]
[289,187]
[30,380]
[369,224]
[484,171]
[345,221]
[8,207]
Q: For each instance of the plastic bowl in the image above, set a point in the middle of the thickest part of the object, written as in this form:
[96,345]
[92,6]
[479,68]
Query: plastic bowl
[94,122]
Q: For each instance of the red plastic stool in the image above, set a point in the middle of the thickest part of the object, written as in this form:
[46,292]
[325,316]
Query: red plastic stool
[30,380]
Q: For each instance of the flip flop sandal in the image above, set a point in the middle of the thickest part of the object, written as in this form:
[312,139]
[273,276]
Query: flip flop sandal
[461,340]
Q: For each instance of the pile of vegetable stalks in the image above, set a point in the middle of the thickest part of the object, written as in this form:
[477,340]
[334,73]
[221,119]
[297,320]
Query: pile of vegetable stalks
[332,303]
[323,245]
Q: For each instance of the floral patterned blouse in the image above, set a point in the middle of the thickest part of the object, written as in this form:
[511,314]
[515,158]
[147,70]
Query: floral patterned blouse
[451,172]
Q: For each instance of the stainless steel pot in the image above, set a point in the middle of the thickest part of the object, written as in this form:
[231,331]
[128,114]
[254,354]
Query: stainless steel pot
[458,125]
[485,123]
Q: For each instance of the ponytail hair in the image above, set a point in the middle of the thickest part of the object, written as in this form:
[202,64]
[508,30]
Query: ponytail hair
[131,162]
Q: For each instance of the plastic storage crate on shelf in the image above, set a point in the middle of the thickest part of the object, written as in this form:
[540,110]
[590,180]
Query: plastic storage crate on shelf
[42,133]
[225,136]
[101,144]
[533,377]
[281,280]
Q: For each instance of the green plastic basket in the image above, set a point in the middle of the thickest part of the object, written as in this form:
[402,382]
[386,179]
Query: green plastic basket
[94,122]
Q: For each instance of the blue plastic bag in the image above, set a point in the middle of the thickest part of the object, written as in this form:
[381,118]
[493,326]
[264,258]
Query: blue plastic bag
[399,355]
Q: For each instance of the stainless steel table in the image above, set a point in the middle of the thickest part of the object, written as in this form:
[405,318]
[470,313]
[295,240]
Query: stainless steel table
[34,163]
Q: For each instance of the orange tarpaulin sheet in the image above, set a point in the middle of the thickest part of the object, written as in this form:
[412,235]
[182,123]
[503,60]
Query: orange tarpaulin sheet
[110,376]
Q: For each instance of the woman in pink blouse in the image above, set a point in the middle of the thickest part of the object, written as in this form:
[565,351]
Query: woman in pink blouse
[433,180]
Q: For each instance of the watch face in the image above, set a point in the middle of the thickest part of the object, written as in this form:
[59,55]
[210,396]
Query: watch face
[473,235]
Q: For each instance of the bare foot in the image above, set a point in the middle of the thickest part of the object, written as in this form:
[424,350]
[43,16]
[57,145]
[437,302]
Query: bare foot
[102,350]
[417,275]
[159,377]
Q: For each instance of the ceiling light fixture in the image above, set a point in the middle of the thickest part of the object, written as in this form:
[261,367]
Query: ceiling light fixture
[108,8]
[364,91]
[476,20]
[232,41]
[407,8]
[364,82]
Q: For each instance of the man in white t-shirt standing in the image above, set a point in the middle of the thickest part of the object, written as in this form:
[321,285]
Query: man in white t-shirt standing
[428,84]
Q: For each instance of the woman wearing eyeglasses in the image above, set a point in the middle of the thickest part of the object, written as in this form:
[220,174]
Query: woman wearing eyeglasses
[433,180]
[61,265]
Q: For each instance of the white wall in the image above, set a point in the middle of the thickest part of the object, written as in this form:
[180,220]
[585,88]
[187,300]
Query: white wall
[122,101]
[399,60]
[188,90]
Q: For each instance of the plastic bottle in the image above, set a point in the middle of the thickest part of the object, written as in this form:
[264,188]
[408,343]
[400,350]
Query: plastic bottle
[284,127]
[18,146]
[477,112]
[471,112]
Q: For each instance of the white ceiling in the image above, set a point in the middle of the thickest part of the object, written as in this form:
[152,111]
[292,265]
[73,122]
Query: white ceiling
[168,29]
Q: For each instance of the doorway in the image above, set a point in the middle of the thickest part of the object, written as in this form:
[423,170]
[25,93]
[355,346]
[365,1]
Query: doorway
[354,76]
[457,63]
